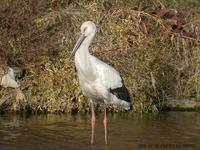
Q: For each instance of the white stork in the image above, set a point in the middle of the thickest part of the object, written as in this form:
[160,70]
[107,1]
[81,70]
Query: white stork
[7,79]
[99,82]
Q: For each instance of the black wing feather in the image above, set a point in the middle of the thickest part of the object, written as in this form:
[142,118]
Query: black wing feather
[121,93]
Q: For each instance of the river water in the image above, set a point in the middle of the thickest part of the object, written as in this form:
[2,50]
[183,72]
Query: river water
[164,131]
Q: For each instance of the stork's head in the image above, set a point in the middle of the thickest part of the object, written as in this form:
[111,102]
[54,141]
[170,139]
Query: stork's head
[88,30]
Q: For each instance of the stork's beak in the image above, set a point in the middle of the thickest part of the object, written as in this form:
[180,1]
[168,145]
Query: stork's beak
[78,44]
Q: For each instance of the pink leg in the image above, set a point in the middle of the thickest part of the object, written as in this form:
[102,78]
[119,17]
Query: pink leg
[93,120]
[105,121]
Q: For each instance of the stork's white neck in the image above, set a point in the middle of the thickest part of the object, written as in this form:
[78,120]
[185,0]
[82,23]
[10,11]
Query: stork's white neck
[83,59]
[82,55]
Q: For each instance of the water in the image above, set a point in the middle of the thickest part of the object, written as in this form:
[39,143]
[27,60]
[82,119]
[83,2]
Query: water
[172,130]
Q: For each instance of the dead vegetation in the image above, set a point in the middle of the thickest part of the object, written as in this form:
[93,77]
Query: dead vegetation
[157,54]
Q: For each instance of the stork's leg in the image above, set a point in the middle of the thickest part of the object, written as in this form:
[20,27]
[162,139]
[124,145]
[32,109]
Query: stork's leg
[93,121]
[105,122]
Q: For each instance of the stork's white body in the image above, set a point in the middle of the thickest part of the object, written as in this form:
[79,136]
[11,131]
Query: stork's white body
[8,79]
[99,82]
[96,78]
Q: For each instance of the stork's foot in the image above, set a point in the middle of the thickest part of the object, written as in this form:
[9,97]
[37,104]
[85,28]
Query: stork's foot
[93,121]
[105,122]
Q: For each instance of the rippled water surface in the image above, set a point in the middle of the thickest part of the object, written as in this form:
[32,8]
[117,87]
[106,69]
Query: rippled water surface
[172,130]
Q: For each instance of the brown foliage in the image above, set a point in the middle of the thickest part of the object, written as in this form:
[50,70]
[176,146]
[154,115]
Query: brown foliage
[154,59]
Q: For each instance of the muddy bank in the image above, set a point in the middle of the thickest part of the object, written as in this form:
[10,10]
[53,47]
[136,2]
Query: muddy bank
[182,105]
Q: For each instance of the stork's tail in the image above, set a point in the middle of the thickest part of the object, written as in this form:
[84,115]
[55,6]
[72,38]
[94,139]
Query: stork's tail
[120,96]
[121,103]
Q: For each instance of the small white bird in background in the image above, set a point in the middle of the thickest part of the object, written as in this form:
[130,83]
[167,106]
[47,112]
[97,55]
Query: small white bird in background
[7,79]
[99,82]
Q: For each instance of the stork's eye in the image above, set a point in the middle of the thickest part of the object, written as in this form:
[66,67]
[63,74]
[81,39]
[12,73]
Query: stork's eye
[84,29]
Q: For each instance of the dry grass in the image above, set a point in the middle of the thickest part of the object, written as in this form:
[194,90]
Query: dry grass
[157,66]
